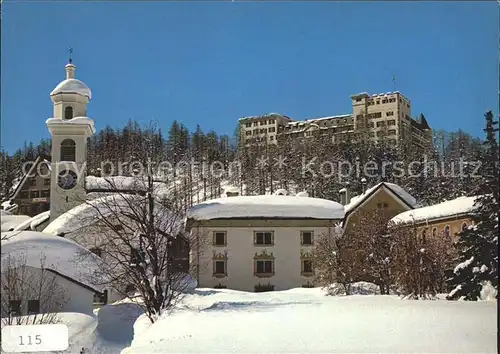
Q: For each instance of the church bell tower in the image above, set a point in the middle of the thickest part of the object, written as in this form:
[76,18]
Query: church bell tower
[70,129]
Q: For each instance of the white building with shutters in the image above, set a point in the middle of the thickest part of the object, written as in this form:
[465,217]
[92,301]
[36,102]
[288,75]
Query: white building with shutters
[259,243]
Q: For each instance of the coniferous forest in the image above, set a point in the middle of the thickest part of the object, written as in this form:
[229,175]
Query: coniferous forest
[307,165]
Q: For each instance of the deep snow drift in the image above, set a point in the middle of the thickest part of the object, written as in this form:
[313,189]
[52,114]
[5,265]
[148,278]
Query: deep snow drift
[307,321]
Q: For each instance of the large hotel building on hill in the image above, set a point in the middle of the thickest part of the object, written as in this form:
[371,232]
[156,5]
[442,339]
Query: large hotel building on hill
[385,115]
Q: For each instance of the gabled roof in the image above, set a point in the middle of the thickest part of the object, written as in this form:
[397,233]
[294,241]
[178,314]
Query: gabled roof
[402,196]
[39,160]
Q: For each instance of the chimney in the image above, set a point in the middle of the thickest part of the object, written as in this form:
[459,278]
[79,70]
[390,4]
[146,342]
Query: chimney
[363,184]
[347,194]
[342,196]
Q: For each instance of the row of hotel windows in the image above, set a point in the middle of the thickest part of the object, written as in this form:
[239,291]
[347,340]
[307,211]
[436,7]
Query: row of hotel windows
[262,238]
[262,122]
[379,115]
[261,131]
[385,100]
[381,133]
[44,193]
[32,182]
[262,268]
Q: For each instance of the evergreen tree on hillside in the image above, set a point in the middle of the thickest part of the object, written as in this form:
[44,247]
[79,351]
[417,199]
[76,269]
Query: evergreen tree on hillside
[478,245]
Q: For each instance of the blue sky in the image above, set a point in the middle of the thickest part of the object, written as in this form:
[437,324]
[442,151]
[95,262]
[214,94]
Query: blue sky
[214,62]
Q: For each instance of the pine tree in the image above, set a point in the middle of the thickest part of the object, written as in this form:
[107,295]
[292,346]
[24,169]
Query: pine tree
[478,245]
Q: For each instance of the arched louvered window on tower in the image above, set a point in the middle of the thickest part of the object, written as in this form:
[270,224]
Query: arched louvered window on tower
[68,112]
[68,150]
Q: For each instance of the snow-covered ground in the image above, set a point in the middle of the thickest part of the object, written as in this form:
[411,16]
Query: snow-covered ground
[307,321]
[292,321]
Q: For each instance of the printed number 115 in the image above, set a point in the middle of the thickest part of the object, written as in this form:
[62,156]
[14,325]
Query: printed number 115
[38,340]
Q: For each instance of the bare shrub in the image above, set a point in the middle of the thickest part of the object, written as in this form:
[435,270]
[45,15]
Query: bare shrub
[23,285]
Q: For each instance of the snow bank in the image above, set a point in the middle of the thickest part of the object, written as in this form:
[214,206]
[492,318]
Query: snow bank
[116,321]
[4,212]
[61,255]
[394,188]
[185,284]
[302,194]
[457,207]
[270,206]
[10,222]
[216,321]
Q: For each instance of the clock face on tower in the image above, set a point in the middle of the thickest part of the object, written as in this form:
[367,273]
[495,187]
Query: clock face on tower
[67,179]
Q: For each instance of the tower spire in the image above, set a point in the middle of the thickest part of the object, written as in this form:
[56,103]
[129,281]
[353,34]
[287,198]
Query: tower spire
[70,67]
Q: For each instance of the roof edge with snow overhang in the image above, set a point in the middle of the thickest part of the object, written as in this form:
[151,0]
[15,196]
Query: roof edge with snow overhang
[448,210]
[266,207]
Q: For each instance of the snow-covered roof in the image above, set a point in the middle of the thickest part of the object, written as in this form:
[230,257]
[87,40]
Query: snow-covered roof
[312,120]
[32,223]
[394,188]
[451,208]
[61,255]
[73,121]
[269,206]
[87,214]
[230,190]
[281,191]
[266,115]
[10,222]
[72,86]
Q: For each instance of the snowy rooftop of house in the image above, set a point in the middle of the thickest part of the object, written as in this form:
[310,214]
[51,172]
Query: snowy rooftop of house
[10,222]
[83,216]
[87,213]
[451,208]
[32,223]
[394,188]
[267,206]
[72,86]
[61,255]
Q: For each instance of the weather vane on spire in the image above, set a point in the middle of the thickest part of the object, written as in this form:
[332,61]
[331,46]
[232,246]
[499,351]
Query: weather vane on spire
[70,51]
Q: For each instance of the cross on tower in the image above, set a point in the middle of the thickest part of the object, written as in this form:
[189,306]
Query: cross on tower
[70,51]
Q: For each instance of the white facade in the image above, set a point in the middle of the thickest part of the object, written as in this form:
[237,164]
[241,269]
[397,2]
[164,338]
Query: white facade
[287,255]
[53,292]
[251,243]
